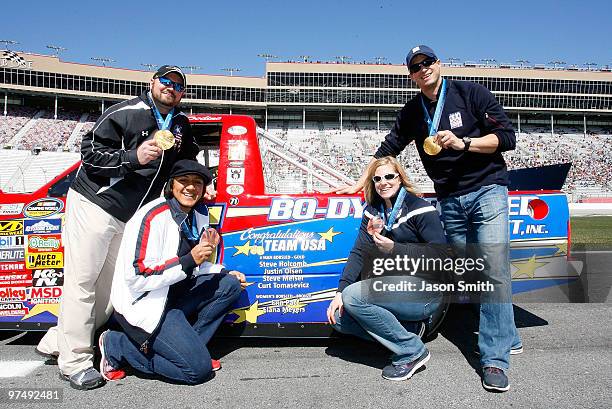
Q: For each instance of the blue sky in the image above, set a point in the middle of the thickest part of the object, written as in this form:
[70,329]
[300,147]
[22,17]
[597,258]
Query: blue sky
[214,35]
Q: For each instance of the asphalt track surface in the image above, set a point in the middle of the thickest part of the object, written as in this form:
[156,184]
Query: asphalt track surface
[567,363]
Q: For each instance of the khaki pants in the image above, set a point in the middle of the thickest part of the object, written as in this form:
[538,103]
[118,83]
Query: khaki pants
[91,239]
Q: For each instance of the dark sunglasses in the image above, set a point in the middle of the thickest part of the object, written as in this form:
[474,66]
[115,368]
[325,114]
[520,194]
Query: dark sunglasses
[414,68]
[178,87]
[388,176]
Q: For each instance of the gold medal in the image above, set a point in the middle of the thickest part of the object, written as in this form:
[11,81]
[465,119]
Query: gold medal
[164,139]
[431,147]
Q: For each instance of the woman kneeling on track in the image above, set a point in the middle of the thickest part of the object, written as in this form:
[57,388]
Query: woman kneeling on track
[168,299]
[394,222]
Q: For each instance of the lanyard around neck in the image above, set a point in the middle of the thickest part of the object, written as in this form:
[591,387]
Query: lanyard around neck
[433,124]
[396,208]
[162,123]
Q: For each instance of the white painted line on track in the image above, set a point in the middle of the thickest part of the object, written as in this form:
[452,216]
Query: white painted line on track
[15,369]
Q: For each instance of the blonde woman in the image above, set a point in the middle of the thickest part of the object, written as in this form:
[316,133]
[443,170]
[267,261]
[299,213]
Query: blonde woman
[395,221]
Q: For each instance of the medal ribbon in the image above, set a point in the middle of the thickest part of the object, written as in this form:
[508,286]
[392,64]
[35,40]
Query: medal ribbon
[162,123]
[396,208]
[191,233]
[433,125]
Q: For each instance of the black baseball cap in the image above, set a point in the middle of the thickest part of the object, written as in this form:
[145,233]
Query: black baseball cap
[420,49]
[190,167]
[167,69]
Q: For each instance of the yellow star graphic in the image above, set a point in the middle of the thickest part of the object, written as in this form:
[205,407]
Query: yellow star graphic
[329,235]
[528,267]
[249,314]
[40,308]
[244,249]
[562,249]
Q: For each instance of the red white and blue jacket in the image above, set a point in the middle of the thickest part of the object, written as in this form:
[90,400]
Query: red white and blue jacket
[148,264]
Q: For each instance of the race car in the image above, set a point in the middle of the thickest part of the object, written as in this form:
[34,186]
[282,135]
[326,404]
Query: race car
[291,247]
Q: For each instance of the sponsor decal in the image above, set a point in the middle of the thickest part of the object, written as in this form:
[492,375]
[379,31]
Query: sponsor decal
[209,118]
[42,226]
[51,259]
[41,208]
[45,295]
[11,242]
[235,190]
[235,176]
[11,209]
[524,208]
[236,150]
[12,267]
[233,201]
[44,242]
[47,277]
[11,294]
[237,130]
[15,279]
[308,207]
[236,164]
[11,228]
[13,309]
[14,254]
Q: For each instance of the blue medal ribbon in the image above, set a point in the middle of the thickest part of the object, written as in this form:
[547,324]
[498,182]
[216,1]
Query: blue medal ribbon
[396,208]
[162,123]
[191,233]
[433,125]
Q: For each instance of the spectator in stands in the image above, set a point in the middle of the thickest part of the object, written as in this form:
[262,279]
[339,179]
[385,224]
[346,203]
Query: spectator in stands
[468,131]
[394,222]
[123,167]
[181,298]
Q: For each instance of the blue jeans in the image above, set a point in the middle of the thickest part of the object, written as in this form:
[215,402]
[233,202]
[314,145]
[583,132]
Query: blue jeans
[374,319]
[178,350]
[482,217]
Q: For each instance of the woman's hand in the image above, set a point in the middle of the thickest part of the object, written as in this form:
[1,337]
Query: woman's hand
[336,304]
[383,243]
[240,277]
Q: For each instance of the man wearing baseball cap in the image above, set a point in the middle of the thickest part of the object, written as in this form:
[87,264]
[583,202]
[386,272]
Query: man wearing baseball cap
[126,159]
[460,132]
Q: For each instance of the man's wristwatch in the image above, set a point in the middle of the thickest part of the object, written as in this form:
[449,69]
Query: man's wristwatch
[467,141]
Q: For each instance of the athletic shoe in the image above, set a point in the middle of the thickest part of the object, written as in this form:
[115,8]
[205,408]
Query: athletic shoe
[106,369]
[84,380]
[494,379]
[51,359]
[405,371]
[216,364]
[513,351]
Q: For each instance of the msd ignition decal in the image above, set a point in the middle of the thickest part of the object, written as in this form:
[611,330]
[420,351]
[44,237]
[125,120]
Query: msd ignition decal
[530,216]
[42,226]
[287,209]
[41,208]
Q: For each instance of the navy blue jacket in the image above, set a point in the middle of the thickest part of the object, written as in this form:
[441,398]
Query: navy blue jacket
[474,112]
[416,222]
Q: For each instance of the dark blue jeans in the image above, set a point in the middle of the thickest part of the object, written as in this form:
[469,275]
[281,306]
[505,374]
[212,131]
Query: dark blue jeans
[178,350]
[482,217]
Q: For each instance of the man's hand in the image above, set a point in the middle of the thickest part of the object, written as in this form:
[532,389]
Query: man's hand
[447,139]
[240,277]
[383,243]
[336,304]
[210,193]
[148,151]
[201,252]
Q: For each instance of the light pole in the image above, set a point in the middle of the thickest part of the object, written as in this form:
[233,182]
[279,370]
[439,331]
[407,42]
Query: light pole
[103,60]
[231,70]
[488,60]
[191,68]
[379,60]
[555,63]
[590,64]
[452,60]
[57,49]
[341,58]
[267,57]
[305,58]
[522,62]
[149,67]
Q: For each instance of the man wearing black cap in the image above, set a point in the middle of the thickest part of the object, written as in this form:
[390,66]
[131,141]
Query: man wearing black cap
[460,132]
[169,299]
[126,159]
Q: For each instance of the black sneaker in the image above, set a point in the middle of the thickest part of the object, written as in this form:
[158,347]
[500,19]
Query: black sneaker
[405,371]
[494,379]
[84,380]
[513,351]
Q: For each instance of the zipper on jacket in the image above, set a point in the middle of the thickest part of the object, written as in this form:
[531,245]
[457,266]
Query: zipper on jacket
[141,297]
[161,163]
